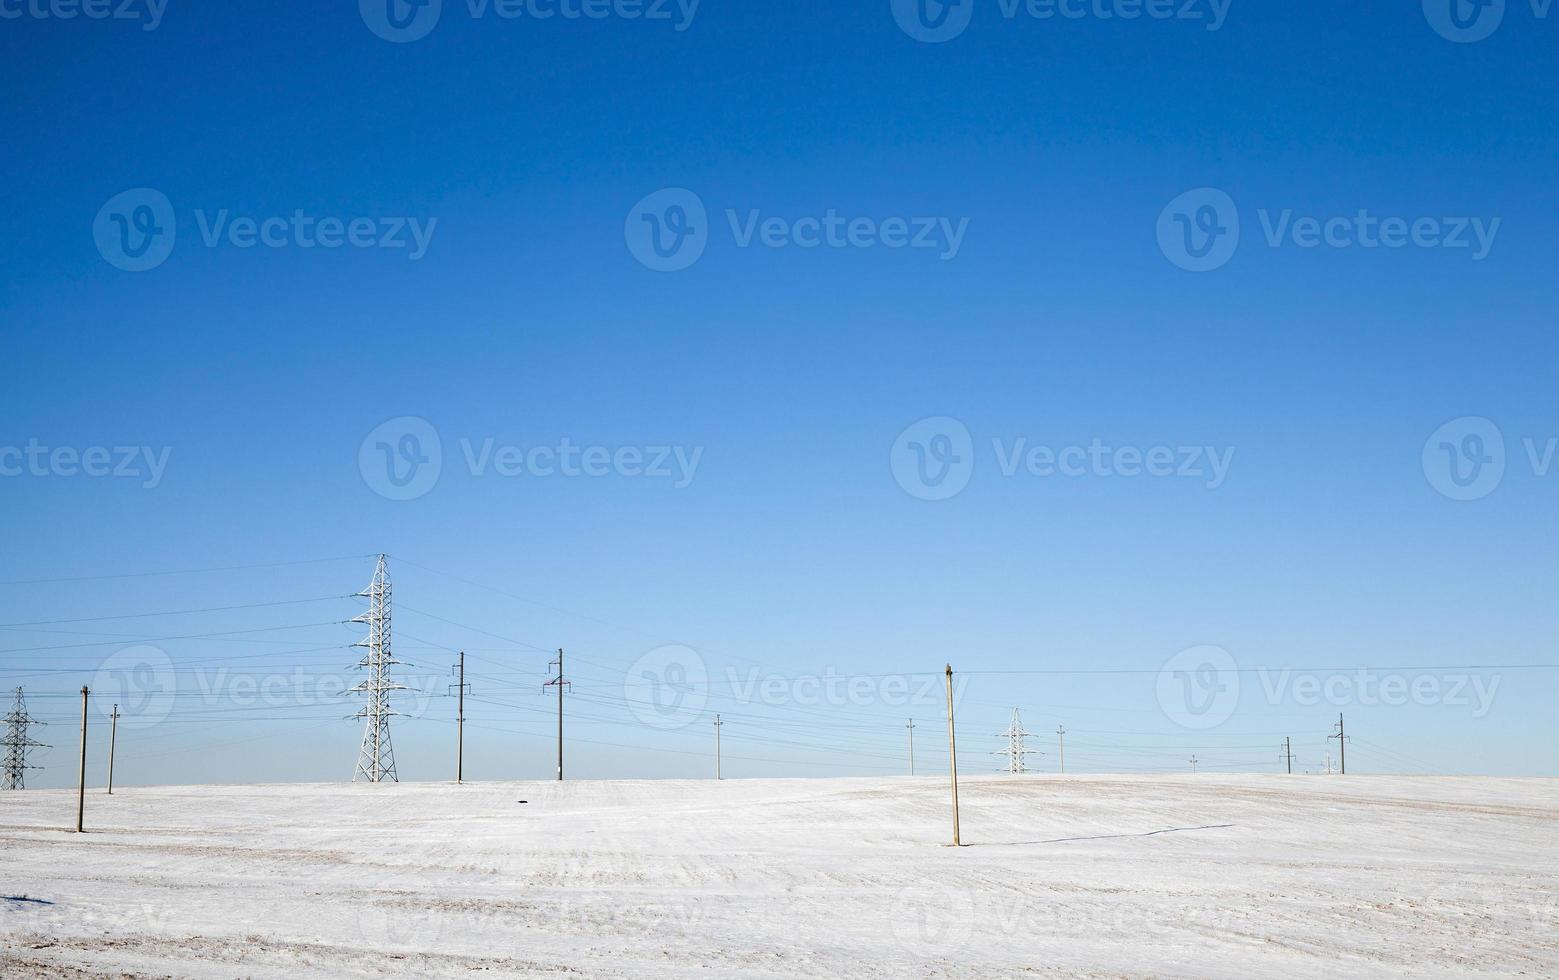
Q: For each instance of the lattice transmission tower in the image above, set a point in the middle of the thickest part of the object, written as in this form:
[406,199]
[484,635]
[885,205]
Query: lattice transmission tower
[1015,750]
[376,758]
[17,742]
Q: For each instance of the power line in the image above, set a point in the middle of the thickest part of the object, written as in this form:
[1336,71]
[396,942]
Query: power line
[182,571]
[169,639]
[175,612]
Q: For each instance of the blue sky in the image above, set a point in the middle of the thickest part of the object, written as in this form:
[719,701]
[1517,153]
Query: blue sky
[527,146]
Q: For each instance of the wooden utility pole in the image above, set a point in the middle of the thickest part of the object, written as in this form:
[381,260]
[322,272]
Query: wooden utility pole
[1288,753]
[1061,731]
[1342,745]
[460,722]
[559,683]
[81,784]
[560,714]
[717,747]
[911,727]
[113,735]
[952,754]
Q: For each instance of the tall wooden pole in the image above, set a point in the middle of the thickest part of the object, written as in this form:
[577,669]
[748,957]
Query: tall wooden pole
[911,727]
[113,736]
[81,785]
[717,747]
[560,683]
[1342,745]
[560,714]
[460,724]
[952,754]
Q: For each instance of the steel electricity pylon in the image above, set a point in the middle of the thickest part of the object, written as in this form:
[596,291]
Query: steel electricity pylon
[17,742]
[376,758]
[1015,751]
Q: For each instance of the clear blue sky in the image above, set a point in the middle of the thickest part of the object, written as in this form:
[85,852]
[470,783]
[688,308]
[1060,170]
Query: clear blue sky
[794,370]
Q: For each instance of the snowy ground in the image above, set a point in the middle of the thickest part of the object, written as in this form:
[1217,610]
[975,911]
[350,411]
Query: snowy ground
[1093,876]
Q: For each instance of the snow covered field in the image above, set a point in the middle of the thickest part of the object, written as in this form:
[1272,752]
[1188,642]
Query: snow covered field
[1094,876]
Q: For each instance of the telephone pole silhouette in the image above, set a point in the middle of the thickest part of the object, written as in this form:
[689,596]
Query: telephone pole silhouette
[113,737]
[1061,732]
[1342,745]
[911,727]
[1193,765]
[1288,753]
[460,720]
[718,723]
[952,754]
[560,683]
[81,782]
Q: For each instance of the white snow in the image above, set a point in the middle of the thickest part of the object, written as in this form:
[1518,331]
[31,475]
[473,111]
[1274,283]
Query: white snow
[1091,876]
